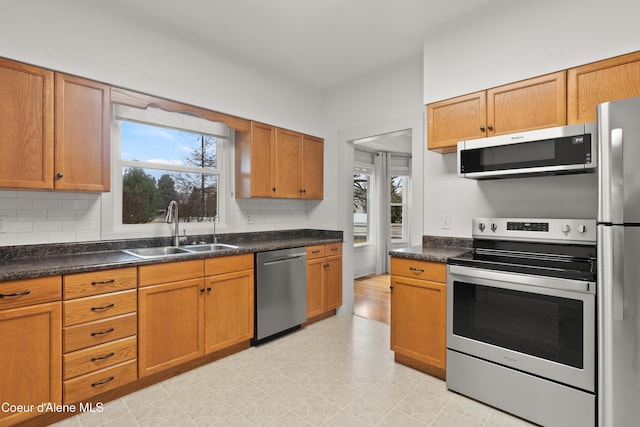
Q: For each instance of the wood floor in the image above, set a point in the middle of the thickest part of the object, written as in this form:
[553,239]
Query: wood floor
[372,297]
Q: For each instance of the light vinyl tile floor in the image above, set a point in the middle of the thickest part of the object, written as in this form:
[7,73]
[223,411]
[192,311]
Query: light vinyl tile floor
[337,372]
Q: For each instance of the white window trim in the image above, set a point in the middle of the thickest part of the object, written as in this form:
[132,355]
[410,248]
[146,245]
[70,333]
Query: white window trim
[111,219]
[366,169]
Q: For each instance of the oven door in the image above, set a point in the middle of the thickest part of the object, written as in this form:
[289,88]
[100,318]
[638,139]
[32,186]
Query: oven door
[541,325]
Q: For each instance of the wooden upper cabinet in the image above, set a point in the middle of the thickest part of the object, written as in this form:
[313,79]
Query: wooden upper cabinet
[602,81]
[312,167]
[254,161]
[82,134]
[288,164]
[456,119]
[530,104]
[26,126]
[278,163]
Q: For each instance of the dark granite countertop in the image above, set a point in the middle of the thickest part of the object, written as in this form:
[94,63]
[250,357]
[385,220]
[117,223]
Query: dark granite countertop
[23,262]
[435,248]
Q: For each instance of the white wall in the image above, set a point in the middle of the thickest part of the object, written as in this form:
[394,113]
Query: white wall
[383,101]
[516,40]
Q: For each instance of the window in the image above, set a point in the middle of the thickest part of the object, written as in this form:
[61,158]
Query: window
[361,205]
[162,156]
[399,207]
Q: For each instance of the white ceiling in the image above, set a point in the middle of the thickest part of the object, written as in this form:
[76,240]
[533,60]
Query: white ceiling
[317,42]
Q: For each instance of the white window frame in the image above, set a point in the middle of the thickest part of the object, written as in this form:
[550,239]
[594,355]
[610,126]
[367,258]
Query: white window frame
[112,226]
[405,210]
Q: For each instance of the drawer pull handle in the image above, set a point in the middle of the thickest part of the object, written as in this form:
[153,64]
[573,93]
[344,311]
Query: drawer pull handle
[334,249]
[104,282]
[416,270]
[315,252]
[103,382]
[106,356]
[106,331]
[104,307]
[17,294]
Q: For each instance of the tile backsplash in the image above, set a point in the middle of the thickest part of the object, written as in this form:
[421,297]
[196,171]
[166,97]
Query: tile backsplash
[38,217]
[33,217]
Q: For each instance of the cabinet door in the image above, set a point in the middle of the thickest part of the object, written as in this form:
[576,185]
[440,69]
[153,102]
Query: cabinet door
[312,167]
[333,281]
[602,81]
[31,358]
[254,161]
[456,119]
[527,105]
[315,287]
[418,320]
[170,325]
[229,310]
[82,134]
[26,126]
[288,155]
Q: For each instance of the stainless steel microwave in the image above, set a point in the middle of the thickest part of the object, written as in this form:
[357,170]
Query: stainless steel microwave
[552,151]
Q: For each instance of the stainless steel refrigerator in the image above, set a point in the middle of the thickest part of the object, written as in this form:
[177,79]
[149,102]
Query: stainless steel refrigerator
[619,263]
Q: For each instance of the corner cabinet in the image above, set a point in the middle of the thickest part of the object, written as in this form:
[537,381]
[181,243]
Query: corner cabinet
[602,81]
[278,163]
[530,104]
[54,130]
[418,314]
[31,346]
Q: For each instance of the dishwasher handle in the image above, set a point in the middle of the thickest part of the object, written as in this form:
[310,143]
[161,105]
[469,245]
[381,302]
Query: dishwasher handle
[282,260]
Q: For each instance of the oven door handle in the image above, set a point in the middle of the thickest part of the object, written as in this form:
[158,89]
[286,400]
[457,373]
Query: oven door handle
[524,279]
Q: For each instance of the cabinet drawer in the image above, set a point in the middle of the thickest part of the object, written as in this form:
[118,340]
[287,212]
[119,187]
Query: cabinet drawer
[316,251]
[424,270]
[20,293]
[99,332]
[99,307]
[89,385]
[170,272]
[333,249]
[99,282]
[228,264]
[98,357]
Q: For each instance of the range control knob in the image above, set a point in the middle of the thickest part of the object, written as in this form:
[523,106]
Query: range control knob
[565,228]
[494,227]
[582,229]
[481,226]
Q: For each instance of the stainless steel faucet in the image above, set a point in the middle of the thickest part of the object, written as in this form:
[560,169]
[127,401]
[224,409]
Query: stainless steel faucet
[215,237]
[176,235]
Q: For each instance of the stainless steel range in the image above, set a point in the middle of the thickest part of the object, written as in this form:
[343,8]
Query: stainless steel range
[521,319]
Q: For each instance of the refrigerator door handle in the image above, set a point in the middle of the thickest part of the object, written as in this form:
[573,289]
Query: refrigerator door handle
[617,284]
[617,177]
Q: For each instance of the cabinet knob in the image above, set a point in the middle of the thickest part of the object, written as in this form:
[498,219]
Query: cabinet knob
[490,127]
[59,175]
[391,287]
[209,289]
[481,128]
[273,189]
[202,290]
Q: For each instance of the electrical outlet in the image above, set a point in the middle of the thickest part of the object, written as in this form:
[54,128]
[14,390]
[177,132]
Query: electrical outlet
[3,224]
[445,222]
[250,219]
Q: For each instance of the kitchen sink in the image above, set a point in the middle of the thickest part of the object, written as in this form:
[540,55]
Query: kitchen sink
[209,247]
[157,252]
[164,251]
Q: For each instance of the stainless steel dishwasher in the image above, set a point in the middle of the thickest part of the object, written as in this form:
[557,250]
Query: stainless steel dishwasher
[281,292]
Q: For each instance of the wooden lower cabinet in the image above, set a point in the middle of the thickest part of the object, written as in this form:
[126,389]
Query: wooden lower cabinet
[229,302]
[100,332]
[30,346]
[324,279]
[418,314]
[170,325]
